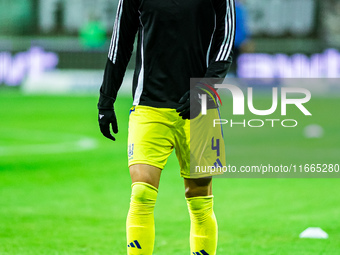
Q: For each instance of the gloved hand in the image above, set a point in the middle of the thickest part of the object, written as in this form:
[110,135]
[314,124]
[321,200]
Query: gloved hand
[184,110]
[191,102]
[105,119]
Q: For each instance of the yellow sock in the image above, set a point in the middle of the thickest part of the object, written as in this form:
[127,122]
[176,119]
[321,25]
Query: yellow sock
[203,230]
[140,224]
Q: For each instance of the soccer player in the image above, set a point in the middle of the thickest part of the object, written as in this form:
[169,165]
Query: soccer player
[177,40]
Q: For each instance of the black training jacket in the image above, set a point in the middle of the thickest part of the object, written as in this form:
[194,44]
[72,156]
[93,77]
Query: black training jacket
[177,40]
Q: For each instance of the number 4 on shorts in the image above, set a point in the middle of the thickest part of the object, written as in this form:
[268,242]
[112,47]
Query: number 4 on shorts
[215,147]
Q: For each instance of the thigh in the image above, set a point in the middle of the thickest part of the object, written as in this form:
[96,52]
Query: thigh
[150,139]
[200,150]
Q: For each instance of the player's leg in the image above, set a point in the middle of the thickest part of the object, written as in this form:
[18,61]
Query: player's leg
[205,148]
[203,230]
[140,226]
[150,144]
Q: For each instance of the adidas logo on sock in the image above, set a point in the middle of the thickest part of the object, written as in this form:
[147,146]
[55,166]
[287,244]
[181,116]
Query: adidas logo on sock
[134,244]
[201,252]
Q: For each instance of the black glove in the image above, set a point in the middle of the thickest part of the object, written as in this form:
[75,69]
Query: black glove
[191,102]
[193,97]
[105,118]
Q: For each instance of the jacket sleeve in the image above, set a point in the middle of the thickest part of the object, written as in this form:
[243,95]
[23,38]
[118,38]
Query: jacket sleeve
[121,47]
[220,56]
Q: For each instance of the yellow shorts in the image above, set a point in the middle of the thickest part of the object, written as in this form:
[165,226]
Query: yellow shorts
[155,132]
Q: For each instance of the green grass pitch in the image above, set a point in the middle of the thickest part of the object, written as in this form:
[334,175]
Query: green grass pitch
[56,200]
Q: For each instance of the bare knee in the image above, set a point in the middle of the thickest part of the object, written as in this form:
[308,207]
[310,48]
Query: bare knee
[198,187]
[145,173]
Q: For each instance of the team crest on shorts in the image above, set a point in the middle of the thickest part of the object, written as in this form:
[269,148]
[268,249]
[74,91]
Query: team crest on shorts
[130,151]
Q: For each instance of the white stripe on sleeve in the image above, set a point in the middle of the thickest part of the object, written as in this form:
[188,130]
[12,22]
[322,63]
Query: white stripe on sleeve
[115,35]
[227,44]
